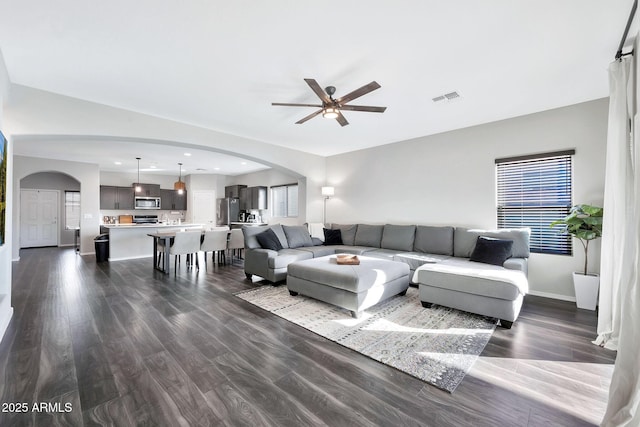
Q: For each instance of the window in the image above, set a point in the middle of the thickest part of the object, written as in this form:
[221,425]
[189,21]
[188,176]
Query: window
[532,192]
[71,209]
[284,200]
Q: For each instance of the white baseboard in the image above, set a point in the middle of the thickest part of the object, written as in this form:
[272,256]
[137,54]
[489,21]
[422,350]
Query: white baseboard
[132,257]
[6,312]
[552,296]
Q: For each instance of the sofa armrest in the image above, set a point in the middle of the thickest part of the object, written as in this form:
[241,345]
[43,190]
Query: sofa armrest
[256,261]
[520,264]
[259,255]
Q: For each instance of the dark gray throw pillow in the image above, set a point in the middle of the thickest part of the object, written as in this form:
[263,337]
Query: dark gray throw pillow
[269,240]
[490,250]
[297,236]
[332,237]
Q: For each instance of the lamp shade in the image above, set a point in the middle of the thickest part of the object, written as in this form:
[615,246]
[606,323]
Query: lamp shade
[179,186]
[327,191]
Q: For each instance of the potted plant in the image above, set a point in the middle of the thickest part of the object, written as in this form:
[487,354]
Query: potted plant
[584,222]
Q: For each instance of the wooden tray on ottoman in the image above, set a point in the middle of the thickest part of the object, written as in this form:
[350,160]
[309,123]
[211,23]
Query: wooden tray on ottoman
[345,259]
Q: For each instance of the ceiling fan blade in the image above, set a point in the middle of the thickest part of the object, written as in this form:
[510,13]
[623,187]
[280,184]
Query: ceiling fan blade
[315,87]
[286,104]
[309,117]
[358,93]
[341,119]
[363,108]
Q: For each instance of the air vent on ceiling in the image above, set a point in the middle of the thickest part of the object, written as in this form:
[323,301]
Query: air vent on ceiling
[447,97]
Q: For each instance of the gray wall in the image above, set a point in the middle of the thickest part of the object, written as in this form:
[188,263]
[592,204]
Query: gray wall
[54,181]
[449,178]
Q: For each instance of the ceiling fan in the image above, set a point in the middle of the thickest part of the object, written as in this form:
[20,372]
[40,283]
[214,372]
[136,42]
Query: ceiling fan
[332,108]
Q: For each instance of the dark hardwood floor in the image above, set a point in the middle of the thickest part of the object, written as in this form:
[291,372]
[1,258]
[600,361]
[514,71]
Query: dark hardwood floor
[120,344]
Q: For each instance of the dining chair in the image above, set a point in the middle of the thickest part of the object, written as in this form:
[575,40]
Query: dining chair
[186,243]
[236,243]
[215,241]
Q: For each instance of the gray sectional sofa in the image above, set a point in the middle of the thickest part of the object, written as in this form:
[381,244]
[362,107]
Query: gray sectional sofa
[438,258]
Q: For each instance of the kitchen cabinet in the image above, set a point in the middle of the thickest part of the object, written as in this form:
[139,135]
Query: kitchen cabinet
[243,194]
[152,190]
[112,197]
[171,200]
[252,198]
[233,191]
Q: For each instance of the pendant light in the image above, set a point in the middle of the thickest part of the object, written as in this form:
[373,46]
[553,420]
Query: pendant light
[138,187]
[179,185]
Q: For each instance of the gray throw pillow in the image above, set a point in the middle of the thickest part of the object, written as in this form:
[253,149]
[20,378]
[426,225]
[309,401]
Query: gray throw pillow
[398,237]
[347,231]
[368,235]
[436,240]
[297,236]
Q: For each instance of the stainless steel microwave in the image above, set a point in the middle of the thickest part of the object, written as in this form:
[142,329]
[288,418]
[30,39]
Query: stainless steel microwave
[142,202]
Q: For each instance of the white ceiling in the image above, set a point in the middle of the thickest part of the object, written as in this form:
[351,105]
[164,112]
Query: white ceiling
[220,64]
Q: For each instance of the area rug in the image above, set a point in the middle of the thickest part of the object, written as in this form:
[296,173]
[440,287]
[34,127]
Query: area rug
[437,345]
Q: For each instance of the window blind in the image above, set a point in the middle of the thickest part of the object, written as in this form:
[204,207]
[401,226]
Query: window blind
[533,191]
[72,209]
[284,200]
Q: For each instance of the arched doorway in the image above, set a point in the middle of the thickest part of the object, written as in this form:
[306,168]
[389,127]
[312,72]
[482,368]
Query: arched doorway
[49,210]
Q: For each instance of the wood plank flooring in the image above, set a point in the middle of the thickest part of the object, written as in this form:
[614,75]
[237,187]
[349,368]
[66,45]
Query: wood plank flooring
[121,344]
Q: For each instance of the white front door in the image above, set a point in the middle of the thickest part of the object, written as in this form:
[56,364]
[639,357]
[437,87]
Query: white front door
[204,207]
[38,218]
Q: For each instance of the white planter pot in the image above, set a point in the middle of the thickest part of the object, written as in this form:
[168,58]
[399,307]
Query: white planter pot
[586,288]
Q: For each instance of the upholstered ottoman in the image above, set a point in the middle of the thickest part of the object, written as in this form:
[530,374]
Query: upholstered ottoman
[475,287]
[353,287]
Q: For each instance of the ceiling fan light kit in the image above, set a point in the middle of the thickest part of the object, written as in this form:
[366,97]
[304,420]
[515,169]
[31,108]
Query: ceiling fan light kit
[330,113]
[332,108]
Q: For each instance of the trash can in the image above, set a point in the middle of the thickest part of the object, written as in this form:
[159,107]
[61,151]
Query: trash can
[102,247]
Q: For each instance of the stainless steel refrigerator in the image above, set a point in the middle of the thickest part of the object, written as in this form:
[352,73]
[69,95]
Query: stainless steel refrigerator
[228,211]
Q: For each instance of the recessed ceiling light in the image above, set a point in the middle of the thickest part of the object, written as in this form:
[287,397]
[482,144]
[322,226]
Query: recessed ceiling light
[187,154]
[118,163]
[216,169]
[153,166]
[243,163]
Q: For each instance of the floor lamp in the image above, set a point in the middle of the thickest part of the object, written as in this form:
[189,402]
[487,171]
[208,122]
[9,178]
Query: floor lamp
[327,192]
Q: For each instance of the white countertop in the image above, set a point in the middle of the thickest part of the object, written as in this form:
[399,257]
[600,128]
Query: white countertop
[248,223]
[155,225]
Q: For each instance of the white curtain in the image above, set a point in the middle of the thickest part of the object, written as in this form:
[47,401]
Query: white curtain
[618,185]
[619,305]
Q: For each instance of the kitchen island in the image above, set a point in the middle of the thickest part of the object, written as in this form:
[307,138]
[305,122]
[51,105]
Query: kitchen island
[241,224]
[130,241]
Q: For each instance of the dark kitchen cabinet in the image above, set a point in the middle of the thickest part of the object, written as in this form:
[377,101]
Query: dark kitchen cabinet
[244,195]
[152,190]
[180,201]
[170,200]
[233,191]
[112,197]
[252,198]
